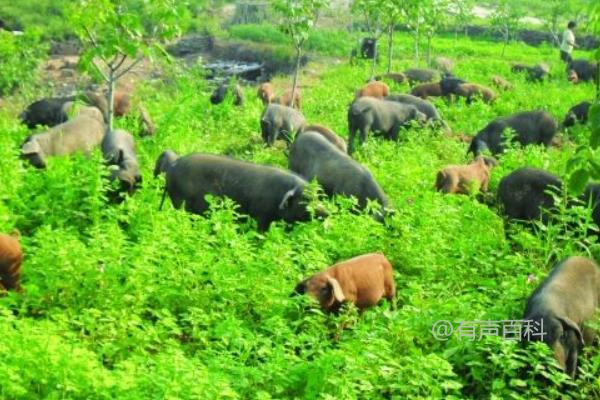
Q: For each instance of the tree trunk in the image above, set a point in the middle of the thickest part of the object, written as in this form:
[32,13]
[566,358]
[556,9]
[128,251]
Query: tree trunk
[296,72]
[429,37]
[110,98]
[390,46]
[416,35]
[505,41]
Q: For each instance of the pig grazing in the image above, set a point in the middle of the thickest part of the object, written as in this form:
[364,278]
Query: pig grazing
[396,77]
[577,114]
[49,112]
[265,193]
[280,120]
[422,105]
[421,75]
[531,127]
[472,90]
[221,91]
[524,195]
[501,83]
[449,84]
[536,73]
[81,134]
[368,114]
[461,178]
[327,134]
[375,89]
[561,305]
[11,257]
[362,280]
[148,126]
[312,156]
[582,71]
[266,93]
[118,148]
[427,90]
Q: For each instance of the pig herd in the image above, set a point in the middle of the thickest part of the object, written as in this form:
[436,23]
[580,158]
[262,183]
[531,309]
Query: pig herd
[563,302]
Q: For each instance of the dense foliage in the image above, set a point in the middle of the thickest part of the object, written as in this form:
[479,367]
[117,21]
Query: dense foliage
[125,301]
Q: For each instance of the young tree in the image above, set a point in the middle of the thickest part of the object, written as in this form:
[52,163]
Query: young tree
[298,18]
[372,11]
[391,13]
[462,14]
[118,34]
[434,14]
[505,18]
[412,12]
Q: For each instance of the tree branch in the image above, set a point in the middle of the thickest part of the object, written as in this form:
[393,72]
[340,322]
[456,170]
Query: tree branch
[123,57]
[95,44]
[100,71]
[126,70]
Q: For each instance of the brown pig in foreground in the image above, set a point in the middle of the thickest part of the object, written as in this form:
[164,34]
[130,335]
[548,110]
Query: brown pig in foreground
[362,280]
[461,178]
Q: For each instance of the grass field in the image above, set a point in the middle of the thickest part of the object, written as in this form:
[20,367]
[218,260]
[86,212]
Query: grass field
[126,301]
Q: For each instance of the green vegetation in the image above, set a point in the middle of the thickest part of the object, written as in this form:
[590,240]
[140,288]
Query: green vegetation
[125,301]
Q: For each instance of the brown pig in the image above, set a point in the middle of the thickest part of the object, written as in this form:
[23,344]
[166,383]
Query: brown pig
[376,89]
[11,257]
[362,280]
[472,90]
[266,93]
[427,89]
[460,178]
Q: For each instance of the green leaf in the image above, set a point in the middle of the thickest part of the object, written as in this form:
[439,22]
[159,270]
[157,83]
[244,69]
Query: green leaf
[578,180]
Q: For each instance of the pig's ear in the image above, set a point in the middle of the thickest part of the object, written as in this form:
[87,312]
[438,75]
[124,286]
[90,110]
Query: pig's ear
[31,147]
[568,323]
[287,197]
[338,294]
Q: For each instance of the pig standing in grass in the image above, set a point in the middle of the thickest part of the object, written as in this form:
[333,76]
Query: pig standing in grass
[372,115]
[278,120]
[362,280]
[564,301]
[531,127]
[81,134]
[265,193]
[373,89]
[523,193]
[313,157]
[118,148]
[461,178]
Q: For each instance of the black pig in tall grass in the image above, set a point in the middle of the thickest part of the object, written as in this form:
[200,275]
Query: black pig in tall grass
[524,195]
[265,193]
[314,157]
[278,120]
[531,127]
[118,148]
[577,114]
[387,117]
[561,305]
